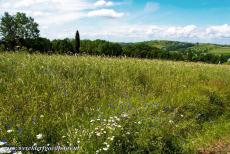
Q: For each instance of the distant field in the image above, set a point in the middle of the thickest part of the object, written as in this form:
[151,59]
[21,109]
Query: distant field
[221,50]
[112,105]
[211,48]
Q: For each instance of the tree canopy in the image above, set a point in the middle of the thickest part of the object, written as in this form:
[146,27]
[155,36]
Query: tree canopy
[16,29]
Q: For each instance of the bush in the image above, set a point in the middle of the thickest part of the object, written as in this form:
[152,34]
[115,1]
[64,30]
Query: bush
[2,47]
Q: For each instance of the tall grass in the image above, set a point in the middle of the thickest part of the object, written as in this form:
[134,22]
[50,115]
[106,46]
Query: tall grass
[112,105]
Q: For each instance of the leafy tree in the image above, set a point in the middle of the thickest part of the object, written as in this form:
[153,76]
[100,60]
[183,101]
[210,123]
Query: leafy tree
[39,44]
[141,50]
[17,29]
[62,46]
[8,29]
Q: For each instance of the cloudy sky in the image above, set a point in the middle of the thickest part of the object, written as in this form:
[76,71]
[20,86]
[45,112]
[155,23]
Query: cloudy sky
[129,20]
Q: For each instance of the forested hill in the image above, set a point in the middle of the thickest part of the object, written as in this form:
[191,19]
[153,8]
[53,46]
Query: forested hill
[181,46]
[169,50]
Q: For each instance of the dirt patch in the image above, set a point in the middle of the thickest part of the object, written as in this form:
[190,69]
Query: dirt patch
[221,147]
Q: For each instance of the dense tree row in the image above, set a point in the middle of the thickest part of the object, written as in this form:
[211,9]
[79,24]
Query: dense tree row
[21,32]
[101,47]
[142,50]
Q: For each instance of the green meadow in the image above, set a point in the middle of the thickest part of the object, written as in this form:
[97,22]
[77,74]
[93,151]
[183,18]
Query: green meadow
[221,50]
[112,105]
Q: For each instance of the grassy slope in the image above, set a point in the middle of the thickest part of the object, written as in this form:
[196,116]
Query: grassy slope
[221,50]
[212,48]
[131,104]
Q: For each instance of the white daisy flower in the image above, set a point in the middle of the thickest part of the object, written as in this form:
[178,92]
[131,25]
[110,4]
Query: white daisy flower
[39,136]
[105,149]
[9,131]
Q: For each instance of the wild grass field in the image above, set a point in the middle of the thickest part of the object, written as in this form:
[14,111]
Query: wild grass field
[112,105]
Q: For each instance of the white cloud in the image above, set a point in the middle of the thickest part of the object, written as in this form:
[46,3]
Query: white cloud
[27,3]
[54,16]
[102,3]
[219,31]
[127,32]
[186,31]
[110,13]
[152,6]
[48,12]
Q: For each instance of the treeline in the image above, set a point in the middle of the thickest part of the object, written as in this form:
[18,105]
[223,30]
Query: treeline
[19,32]
[105,48]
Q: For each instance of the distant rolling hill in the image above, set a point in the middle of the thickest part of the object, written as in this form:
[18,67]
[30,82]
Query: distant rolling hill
[181,46]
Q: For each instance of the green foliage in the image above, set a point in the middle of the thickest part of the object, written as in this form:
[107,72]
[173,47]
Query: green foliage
[77,42]
[40,44]
[16,29]
[141,50]
[62,46]
[8,29]
[112,105]
[101,47]
[2,47]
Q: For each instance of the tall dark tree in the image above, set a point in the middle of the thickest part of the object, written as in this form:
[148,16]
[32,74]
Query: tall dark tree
[77,42]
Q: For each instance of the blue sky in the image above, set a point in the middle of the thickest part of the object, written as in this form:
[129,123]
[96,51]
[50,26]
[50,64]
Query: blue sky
[129,20]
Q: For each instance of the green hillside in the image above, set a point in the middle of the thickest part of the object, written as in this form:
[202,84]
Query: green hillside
[210,48]
[221,50]
[112,105]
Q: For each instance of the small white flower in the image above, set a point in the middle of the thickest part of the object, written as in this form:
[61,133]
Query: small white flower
[106,149]
[171,122]
[124,115]
[63,136]
[91,121]
[139,122]
[182,115]
[41,116]
[2,143]
[98,134]
[35,144]
[39,136]
[78,141]
[112,138]
[98,151]
[9,131]
[118,119]
[5,150]
[128,133]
